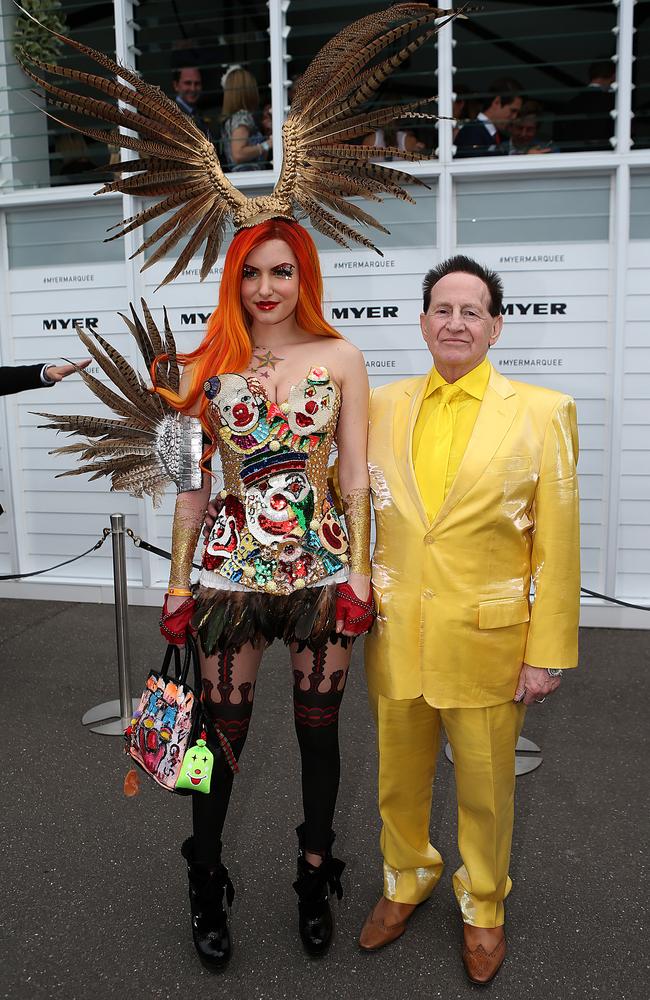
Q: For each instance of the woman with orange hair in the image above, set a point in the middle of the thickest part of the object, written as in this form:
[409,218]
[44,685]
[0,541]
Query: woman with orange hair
[274,385]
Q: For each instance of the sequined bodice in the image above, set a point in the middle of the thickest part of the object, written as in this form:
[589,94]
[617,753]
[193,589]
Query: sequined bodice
[277,530]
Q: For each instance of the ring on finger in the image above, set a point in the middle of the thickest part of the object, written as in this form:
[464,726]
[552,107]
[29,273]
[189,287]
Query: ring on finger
[540,701]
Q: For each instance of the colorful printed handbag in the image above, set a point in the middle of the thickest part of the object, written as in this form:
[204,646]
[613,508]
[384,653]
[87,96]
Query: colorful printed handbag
[170,736]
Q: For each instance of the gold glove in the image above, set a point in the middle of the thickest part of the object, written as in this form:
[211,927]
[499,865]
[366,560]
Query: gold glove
[356,506]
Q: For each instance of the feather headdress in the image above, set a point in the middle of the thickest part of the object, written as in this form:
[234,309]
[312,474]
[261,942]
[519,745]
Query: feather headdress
[176,164]
[148,444]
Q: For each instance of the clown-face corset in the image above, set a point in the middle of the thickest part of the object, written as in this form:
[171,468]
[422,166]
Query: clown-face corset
[276,528]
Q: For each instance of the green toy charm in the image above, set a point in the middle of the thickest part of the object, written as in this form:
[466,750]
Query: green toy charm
[196,770]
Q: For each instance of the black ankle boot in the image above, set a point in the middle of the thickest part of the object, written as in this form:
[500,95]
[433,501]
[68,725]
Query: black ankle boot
[313,885]
[209,919]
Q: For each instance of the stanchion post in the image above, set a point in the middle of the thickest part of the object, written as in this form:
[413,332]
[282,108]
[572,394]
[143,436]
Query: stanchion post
[118,534]
[120,711]
[528,756]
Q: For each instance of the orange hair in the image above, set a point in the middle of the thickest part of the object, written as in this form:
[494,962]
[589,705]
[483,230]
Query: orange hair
[227,346]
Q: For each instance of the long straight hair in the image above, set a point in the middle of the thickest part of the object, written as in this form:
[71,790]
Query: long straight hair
[240,92]
[227,346]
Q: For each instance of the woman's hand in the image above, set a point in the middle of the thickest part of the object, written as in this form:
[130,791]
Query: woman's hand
[176,618]
[360,585]
[241,149]
[174,603]
[355,606]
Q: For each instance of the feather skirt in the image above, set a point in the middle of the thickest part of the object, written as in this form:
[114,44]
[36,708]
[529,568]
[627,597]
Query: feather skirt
[228,619]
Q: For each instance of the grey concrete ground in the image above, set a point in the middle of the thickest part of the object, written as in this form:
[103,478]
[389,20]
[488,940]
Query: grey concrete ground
[94,888]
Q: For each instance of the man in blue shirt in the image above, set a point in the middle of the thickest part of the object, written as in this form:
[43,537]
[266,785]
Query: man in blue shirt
[188,87]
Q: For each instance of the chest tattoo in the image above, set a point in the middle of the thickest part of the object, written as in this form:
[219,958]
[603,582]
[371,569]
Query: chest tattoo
[264,362]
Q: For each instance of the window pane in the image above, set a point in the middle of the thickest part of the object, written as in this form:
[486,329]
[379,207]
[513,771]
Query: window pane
[641,75]
[313,23]
[640,206]
[187,49]
[45,236]
[555,59]
[527,210]
[34,150]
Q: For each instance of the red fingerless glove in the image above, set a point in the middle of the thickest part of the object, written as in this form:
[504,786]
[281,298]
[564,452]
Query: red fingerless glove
[175,624]
[357,616]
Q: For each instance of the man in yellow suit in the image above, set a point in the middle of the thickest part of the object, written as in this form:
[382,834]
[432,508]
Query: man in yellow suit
[475,496]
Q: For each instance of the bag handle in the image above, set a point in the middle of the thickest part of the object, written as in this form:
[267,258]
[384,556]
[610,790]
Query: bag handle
[191,658]
[169,652]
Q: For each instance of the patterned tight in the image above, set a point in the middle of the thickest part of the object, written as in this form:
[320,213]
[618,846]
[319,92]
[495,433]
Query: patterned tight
[228,687]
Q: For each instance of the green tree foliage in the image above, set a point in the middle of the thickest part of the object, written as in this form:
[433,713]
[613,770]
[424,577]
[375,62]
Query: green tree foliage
[32,38]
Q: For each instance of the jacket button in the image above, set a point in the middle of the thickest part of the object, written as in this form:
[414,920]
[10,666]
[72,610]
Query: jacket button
[427,594]
[428,540]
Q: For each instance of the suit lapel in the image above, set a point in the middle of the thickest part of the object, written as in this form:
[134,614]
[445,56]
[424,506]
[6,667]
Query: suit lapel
[404,417]
[494,419]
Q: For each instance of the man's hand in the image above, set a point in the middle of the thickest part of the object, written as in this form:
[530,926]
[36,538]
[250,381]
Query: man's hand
[535,684]
[57,372]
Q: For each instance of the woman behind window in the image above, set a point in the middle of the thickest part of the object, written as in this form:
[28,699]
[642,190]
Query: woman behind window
[244,145]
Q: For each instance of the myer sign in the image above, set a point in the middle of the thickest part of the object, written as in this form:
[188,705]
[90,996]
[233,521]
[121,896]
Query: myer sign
[70,322]
[365,312]
[194,318]
[519,309]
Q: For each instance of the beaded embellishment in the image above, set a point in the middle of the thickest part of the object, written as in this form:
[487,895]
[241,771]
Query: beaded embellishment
[276,529]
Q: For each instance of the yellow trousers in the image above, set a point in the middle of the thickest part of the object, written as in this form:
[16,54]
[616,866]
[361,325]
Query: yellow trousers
[483,742]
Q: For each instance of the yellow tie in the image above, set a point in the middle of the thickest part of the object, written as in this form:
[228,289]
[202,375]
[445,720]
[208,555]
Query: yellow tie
[433,454]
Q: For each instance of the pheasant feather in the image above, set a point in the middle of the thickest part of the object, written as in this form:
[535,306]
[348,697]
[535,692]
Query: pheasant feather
[134,450]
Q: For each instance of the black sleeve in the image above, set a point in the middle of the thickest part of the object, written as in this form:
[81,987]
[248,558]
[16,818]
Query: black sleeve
[475,140]
[18,378]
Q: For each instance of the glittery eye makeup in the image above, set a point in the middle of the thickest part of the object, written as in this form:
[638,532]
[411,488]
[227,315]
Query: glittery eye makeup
[284,271]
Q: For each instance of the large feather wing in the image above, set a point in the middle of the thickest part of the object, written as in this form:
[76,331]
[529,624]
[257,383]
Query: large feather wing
[147,447]
[331,107]
[176,163]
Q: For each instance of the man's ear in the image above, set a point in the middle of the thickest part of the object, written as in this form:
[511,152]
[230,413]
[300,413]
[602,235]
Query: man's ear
[423,317]
[496,330]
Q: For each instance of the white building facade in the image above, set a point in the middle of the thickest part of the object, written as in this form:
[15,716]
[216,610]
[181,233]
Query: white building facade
[569,232]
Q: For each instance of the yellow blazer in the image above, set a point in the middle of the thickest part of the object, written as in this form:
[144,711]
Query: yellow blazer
[455,620]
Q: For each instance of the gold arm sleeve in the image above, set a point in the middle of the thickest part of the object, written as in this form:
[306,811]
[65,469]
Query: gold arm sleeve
[356,506]
[188,519]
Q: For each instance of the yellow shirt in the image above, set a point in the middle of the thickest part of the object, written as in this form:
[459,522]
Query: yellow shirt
[442,431]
